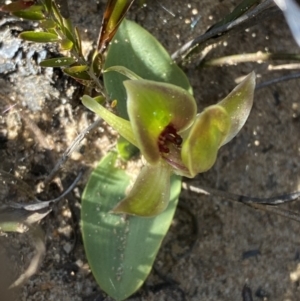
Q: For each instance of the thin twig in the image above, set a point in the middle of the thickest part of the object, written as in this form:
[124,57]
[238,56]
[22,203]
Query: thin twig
[277,200]
[71,148]
[217,32]
[277,80]
[279,211]
[39,204]
[266,204]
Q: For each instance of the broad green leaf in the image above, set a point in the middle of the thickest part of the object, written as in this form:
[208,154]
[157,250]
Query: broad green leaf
[39,37]
[199,150]
[238,105]
[120,249]
[150,193]
[136,49]
[58,62]
[153,106]
[122,126]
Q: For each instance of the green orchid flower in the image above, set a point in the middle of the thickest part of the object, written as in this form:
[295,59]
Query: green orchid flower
[172,137]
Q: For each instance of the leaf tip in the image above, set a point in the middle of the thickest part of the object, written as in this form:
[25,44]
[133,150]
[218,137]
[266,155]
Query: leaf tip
[238,104]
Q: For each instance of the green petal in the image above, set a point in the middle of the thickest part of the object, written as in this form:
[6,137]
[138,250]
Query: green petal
[121,125]
[151,107]
[199,150]
[150,194]
[238,105]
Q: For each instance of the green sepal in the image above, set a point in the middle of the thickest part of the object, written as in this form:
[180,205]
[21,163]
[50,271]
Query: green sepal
[153,106]
[58,62]
[199,150]
[39,37]
[122,126]
[150,193]
[238,105]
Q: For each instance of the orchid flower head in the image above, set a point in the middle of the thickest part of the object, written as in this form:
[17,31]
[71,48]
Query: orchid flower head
[164,124]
